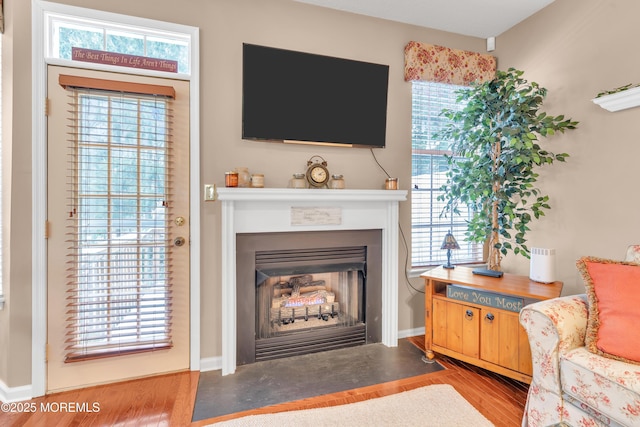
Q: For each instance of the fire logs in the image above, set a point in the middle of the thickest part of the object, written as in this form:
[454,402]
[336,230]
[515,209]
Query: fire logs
[301,298]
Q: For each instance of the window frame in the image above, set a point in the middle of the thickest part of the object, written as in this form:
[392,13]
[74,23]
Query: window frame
[138,27]
[428,233]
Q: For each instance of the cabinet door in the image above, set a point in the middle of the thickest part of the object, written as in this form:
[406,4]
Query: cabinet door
[500,337]
[489,336]
[439,324]
[525,365]
[470,331]
[456,327]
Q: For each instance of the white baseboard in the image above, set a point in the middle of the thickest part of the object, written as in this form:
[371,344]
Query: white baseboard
[411,332]
[14,394]
[211,364]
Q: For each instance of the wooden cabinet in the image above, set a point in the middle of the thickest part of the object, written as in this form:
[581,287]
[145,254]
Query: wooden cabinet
[475,318]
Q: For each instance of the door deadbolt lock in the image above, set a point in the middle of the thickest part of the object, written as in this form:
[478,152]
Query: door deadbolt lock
[179,221]
[179,241]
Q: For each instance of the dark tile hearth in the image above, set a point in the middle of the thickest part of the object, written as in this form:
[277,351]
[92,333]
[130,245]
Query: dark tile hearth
[283,380]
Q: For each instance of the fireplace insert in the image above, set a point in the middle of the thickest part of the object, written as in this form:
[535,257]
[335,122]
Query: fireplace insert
[309,292]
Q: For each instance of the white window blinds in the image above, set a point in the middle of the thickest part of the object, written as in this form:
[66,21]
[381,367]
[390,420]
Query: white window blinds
[120,158]
[429,168]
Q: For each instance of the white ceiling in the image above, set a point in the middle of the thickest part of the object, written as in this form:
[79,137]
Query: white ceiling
[478,18]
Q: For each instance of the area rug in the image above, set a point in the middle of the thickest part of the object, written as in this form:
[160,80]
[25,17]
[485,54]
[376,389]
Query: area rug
[284,380]
[432,406]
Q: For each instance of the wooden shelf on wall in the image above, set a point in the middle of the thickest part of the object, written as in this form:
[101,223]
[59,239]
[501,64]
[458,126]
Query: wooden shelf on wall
[620,100]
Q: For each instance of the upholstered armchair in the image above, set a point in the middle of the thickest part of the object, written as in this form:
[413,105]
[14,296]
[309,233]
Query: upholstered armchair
[580,376]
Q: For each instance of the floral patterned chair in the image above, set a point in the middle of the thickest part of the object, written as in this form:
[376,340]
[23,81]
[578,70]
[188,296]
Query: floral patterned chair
[571,384]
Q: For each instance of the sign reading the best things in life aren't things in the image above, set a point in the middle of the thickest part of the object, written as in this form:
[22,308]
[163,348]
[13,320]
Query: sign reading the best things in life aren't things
[123,60]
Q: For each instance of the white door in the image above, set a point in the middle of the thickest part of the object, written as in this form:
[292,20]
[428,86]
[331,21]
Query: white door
[118,227]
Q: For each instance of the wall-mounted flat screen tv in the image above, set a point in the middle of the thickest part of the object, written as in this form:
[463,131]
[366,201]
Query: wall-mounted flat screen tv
[301,97]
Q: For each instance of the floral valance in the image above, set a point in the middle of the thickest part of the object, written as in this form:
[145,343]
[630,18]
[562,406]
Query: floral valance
[444,65]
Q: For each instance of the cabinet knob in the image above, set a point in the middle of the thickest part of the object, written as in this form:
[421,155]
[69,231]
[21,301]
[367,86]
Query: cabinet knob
[468,314]
[490,317]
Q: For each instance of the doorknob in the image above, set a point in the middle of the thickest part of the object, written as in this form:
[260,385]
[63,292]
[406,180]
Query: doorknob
[179,241]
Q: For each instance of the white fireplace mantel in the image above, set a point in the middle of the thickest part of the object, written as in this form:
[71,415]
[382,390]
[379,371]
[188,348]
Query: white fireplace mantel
[266,210]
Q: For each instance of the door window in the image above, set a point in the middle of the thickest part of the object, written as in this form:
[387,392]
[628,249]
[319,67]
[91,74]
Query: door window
[118,296]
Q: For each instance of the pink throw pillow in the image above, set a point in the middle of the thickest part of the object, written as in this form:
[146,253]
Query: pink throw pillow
[613,289]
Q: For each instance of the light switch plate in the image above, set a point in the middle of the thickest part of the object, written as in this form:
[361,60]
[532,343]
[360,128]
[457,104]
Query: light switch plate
[209,192]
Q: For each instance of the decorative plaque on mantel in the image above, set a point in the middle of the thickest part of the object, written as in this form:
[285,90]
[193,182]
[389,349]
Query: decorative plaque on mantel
[316,216]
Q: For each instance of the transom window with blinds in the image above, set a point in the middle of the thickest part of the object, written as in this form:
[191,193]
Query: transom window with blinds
[436,73]
[120,272]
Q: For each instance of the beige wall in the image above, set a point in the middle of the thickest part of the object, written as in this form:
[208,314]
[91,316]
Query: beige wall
[224,26]
[296,26]
[576,49]
[15,319]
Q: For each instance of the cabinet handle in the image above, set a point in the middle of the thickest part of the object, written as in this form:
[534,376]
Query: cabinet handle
[490,317]
[468,314]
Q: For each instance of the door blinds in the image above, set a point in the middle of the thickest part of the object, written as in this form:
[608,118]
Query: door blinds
[119,266]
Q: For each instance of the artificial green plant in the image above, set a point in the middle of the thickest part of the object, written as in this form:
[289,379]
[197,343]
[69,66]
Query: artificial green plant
[495,158]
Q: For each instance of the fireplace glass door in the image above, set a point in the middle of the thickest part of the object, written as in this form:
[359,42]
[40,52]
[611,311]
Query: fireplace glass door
[296,303]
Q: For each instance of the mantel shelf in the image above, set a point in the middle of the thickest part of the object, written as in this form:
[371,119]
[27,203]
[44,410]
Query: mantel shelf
[320,195]
[620,100]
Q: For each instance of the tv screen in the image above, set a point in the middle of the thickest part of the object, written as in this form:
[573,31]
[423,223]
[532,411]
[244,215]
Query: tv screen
[301,97]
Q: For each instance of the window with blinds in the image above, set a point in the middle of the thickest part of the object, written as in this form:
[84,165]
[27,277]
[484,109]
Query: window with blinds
[428,172]
[119,288]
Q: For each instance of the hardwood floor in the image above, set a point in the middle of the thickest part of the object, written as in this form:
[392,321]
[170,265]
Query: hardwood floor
[168,400]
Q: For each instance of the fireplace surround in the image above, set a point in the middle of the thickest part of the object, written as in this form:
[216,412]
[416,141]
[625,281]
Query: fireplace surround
[283,210]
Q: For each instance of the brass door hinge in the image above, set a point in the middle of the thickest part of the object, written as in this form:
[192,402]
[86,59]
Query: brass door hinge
[47,229]
[46,106]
